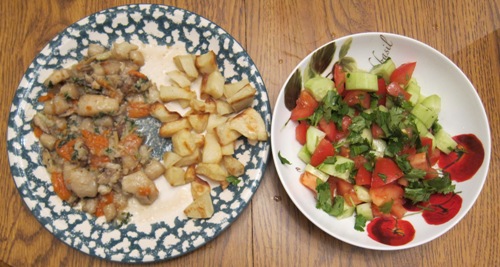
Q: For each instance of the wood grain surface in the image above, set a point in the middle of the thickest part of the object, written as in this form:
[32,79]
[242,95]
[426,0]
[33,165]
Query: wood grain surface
[277,34]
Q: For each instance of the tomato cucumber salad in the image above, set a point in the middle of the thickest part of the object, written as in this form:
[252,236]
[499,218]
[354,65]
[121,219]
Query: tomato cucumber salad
[371,143]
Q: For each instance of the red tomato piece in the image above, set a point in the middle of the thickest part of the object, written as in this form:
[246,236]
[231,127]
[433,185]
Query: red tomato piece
[363,176]
[403,73]
[357,97]
[324,149]
[339,78]
[432,153]
[346,189]
[419,161]
[306,105]
[383,194]
[382,91]
[329,128]
[394,89]
[308,180]
[301,132]
[385,172]
[377,131]
[345,151]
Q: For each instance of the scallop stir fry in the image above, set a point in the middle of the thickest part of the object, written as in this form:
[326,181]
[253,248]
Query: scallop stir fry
[90,145]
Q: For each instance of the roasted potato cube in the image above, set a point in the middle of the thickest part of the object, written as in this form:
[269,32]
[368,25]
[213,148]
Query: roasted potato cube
[161,113]
[212,171]
[233,166]
[243,98]
[232,88]
[215,120]
[213,84]
[179,78]
[183,143]
[168,129]
[200,208]
[250,124]
[199,187]
[186,63]
[190,174]
[170,158]
[206,63]
[206,106]
[198,122]
[175,176]
[154,169]
[212,152]
[190,159]
[225,134]
[227,150]
[172,93]
[223,108]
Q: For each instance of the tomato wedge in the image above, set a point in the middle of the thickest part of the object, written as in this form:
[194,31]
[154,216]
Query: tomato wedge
[357,97]
[301,132]
[382,91]
[329,128]
[403,73]
[306,105]
[396,90]
[385,172]
[324,149]
[339,78]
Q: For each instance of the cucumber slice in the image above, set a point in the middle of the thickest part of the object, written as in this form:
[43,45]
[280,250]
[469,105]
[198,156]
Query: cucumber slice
[362,193]
[319,87]
[304,155]
[347,212]
[422,130]
[313,137]
[361,81]
[384,70]
[367,135]
[444,141]
[425,114]
[378,147]
[433,102]
[312,170]
[341,168]
[365,210]
[414,89]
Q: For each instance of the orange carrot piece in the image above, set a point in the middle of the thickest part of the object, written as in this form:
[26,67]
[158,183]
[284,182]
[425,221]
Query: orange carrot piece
[95,142]
[44,98]
[37,131]
[138,110]
[103,201]
[66,151]
[96,161]
[144,191]
[138,74]
[59,186]
[131,143]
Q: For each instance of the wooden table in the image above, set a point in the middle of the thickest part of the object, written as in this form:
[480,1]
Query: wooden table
[277,34]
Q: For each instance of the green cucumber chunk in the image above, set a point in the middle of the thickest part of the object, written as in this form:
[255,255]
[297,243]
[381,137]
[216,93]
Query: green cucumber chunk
[361,81]
[425,114]
[319,87]
[362,193]
[341,167]
[304,155]
[384,70]
[365,210]
[313,137]
[314,171]
[414,89]
[347,212]
[444,141]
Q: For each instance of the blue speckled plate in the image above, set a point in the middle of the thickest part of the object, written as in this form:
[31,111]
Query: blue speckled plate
[142,240]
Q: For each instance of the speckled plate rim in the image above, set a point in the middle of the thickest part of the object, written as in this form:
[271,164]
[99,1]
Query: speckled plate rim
[152,24]
[369,47]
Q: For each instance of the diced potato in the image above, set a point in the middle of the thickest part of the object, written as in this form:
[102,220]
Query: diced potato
[96,105]
[215,120]
[190,159]
[175,176]
[200,106]
[227,150]
[161,113]
[250,124]
[225,134]
[200,208]
[213,84]
[183,143]
[232,88]
[184,103]
[212,171]
[172,93]
[206,63]
[154,169]
[179,78]
[223,108]
[170,159]
[233,166]
[243,98]
[168,129]
[212,152]
[198,122]
[190,174]
[186,63]
[199,187]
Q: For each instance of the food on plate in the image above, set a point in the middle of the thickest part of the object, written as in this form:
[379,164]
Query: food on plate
[373,148]
[92,149]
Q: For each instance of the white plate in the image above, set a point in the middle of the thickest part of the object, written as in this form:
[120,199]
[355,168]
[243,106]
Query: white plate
[161,231]
[462,112]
